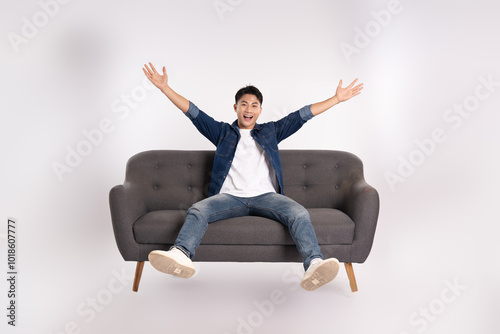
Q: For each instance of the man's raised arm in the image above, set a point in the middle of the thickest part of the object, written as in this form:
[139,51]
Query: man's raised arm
[341,95]
[161,81]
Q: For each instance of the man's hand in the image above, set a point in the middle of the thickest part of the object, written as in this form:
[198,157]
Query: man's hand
[344,94]
[160,81]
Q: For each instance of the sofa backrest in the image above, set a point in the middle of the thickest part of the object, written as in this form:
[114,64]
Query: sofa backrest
[319,178]
[170,179]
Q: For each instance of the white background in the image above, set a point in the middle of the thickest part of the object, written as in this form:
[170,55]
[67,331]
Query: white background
[438,224]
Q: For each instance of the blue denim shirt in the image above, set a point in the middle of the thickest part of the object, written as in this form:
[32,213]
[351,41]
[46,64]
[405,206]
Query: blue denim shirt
[226,136]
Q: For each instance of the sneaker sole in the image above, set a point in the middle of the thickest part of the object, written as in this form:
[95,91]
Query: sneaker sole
[324,274]
[168,265]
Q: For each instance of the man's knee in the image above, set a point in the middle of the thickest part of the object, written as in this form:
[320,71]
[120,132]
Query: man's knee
[298,210]
[291,209]
[303,215]
[198,211]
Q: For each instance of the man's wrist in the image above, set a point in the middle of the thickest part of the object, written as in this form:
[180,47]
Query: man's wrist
[335,99]
[165,90]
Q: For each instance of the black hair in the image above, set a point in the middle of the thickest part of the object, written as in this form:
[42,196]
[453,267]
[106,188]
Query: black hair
[248,90]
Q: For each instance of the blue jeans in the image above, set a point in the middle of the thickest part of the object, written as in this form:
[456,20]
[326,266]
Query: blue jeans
[271,205]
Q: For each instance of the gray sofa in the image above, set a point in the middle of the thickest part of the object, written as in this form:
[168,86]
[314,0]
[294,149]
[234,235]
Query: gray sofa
[148,210]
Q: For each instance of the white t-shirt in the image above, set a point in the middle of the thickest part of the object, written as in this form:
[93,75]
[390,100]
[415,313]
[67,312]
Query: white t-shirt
[251,173]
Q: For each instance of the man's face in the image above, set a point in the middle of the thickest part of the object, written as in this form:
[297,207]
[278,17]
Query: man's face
[247,109]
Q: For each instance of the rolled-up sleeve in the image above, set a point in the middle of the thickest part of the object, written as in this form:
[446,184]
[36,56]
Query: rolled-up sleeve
[193,111]
[306,113]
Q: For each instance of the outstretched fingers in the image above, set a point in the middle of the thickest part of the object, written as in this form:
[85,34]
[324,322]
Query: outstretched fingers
[352,84]
[357,89]
[149,71]
[154,69]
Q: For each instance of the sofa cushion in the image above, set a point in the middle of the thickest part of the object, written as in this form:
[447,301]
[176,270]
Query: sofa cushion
[333,227]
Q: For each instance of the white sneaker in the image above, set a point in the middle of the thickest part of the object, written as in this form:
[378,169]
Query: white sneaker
[319,273]
[173,262]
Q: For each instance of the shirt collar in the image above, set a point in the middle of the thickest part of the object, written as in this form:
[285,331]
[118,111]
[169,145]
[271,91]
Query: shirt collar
[235,126]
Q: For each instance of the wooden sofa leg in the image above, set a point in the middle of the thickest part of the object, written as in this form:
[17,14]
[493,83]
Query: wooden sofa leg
[352,278]
[138,274]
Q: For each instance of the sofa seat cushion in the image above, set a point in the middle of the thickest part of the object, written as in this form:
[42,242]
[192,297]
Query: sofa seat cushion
[333,227]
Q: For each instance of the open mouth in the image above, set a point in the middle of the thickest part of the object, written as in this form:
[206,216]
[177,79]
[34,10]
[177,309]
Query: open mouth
[247,117]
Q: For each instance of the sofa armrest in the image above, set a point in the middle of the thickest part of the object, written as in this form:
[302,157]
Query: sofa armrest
[362,205]
[125,210]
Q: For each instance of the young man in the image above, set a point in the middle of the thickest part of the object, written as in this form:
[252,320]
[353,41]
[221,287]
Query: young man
[247,178]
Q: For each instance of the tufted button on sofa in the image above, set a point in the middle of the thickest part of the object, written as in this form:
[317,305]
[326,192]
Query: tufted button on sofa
[149,208]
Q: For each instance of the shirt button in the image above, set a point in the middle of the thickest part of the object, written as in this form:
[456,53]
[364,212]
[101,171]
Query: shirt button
[304,187]
[304,166]
[189,188]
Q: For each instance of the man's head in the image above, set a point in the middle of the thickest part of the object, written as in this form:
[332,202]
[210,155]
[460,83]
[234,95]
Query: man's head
[248,106]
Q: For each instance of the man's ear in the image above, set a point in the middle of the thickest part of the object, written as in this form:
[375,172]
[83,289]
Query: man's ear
[234,107]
